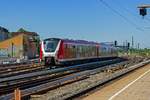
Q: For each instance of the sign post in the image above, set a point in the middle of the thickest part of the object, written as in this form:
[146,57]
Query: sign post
[17,94]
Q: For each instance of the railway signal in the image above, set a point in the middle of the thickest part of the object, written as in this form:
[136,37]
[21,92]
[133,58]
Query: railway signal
[143,9]
[116,43]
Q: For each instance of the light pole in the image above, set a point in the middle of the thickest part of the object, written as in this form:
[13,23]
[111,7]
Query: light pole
[12,49]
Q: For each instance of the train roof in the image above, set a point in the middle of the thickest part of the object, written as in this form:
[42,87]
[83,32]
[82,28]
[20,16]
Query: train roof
[73,41]
[52,39]
[81,41]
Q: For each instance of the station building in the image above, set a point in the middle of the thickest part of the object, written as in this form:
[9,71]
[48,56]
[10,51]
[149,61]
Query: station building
[20,45]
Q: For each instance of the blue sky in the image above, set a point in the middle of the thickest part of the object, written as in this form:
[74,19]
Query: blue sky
[78,19]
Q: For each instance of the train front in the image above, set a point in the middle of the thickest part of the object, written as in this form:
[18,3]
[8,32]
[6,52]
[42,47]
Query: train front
[48,51]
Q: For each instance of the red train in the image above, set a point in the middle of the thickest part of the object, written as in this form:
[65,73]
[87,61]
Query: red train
[55,51]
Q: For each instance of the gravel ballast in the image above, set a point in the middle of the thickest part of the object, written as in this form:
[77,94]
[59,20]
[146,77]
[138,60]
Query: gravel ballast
[66,91]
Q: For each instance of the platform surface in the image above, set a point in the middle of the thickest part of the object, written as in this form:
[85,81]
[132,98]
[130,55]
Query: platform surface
[134,86]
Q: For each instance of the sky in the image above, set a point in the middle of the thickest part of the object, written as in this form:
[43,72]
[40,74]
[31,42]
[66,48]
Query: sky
[92,20]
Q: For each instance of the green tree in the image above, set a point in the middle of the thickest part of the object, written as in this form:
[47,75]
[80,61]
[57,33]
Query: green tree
[22,30]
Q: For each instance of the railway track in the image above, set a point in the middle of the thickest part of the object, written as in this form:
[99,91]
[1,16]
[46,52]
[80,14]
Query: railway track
[15,63]
[7,70]
[115,75]
[119,70]
[16,69]
[39,81]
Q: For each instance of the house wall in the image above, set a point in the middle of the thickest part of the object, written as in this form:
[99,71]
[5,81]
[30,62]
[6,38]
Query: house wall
[12,47]
[20,46]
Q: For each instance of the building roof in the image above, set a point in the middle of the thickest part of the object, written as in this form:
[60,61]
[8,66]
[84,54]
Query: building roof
[2,29]
[27,33]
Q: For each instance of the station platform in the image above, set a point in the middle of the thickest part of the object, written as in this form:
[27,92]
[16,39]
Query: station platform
[133,86]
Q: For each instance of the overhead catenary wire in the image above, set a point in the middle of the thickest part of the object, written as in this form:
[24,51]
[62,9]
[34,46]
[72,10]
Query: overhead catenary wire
[131,13]
[147,19]
[122,16]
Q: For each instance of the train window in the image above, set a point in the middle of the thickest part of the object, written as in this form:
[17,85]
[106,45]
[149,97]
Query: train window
[73,46]
[50,45]
[80,48]
[66,46]
[44,42]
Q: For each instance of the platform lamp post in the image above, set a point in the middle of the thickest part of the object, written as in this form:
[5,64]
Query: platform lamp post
[12,49]
[143,9]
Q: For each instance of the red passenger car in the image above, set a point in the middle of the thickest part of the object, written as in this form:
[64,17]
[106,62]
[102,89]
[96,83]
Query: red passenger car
[57,51]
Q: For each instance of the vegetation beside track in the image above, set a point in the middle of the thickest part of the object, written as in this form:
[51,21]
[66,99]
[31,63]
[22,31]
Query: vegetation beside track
[136,52]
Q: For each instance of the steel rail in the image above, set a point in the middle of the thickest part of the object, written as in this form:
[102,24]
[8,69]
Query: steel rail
[21,71]
[32,82]
[107,79]
[44,87]
[52,71]
[18,66]
[80,72]
[6,86]
[62,81]
[12,82]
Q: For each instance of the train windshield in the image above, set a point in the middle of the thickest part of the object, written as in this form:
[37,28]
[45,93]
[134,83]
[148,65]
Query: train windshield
[50,45]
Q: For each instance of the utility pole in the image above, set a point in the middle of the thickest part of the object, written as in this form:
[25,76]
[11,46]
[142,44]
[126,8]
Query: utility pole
[132,42]
[126,45]
[12,49]
[138,45]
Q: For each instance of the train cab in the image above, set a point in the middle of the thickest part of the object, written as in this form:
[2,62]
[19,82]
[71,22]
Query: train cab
[49,48]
